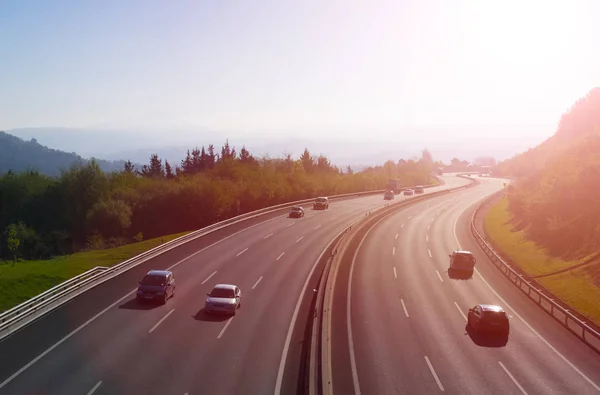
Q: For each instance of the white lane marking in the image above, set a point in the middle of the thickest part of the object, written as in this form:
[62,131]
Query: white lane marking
[257,281]
[267,236]
[438,213]
[410,217]
[128,294]
[280,255]
[396,236]
[426,237]
[225,327]
[432,219]
[94,388]
[310,216]
[586,378]
[393,250]
[299,238]
[461,312]
[395,275]
[208,278]
[334,218]
[404,307]
[288,337]
[512,378]
[317,227]
[402,226]
[435,376]
[439,276]
[242,251]
[293,223]
[429,252]
[428,226]
[161,320]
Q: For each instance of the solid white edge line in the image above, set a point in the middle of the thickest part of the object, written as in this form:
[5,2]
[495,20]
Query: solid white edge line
[586,378]
[439,275]
[280,255]
[267,236]
[225,327]
[241,252]
[435,376]
[395,275]
[512,378]
[208,278]
[404,307]
[299,238]
[429,252]
[257,281]
[461,312]
[94,388]
[94,318]
[161,320]
[288,337]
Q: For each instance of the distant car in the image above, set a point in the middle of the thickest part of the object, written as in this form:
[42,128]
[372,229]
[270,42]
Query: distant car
[388,195]
[157,285]
[462,262]
[488,318]
[296,212]
[408,192]
[419,190]
[224,298]
[321,203]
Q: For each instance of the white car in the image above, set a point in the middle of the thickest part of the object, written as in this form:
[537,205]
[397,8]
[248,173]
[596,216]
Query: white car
[224,298]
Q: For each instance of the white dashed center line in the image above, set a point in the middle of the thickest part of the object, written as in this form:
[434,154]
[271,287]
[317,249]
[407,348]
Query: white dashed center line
[225,327]
[242,251]
[267,236]
[280,255]
[94,388]
[257,281]
[461,312]
[429,252]
[426,237]
[317,227]
[404,307]
[395,276]
[293,223]
[208,278]
[299,238]
[393,250]
[396,236]
[439,276]
[512,378]
[435,376]
[161,320]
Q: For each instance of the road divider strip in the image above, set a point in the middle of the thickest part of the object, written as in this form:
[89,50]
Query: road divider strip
[319,356]
[568,317]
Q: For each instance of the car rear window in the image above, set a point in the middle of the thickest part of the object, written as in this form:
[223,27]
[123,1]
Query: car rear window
[494,316]
[222,293]
[321,200]
[154,279]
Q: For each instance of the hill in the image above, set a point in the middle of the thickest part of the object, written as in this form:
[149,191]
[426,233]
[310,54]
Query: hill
[19,155]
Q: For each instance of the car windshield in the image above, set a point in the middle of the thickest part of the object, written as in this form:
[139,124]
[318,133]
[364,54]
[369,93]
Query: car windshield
[464,258]
[494,316]
[296,209]
[321,200]
[221,293]
[153,279]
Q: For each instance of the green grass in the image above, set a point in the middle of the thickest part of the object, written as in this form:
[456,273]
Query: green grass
[30,278]
[580,288]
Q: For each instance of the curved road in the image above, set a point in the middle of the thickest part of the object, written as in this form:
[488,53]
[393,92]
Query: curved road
[404,329]
[104,343]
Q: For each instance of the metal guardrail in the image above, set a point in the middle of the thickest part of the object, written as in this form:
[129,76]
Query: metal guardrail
[533,290]
[30,310]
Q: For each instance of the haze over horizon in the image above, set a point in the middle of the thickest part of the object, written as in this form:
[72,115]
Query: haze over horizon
[388,73]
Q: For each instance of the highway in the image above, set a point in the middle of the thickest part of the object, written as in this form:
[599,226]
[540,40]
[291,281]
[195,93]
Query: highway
[104,343]
[399,321]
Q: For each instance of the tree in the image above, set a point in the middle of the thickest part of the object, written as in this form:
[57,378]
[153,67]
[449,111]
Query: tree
[169,171]
[155,170]
[307,160]
[13,242]
[129,167]
[227,152]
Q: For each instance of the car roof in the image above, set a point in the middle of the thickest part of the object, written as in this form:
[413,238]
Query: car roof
[158,273]
[297,208]
[462,252]
[491,307]
[322,197]
[225,286]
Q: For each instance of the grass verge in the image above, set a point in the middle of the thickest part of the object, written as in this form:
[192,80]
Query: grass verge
[30,278]
[580,288]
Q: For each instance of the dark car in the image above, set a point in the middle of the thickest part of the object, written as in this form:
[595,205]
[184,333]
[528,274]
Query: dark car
[321,203]
[296,212]
[462,262]
[488,318]
[156,286]
[408,192]
[419,190]
[388,195]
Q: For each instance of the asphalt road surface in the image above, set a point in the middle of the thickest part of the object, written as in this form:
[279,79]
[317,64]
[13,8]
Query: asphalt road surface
[402,327]
[103,342]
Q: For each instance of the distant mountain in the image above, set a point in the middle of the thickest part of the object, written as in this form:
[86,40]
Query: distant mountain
[20,155]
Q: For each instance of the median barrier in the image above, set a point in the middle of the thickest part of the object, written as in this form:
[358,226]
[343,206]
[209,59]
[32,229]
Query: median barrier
[17,317]
[568,317]
[320,375]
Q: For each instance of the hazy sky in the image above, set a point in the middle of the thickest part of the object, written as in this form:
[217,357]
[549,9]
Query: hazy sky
[281,65]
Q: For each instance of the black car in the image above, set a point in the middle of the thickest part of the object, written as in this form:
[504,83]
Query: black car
[321,203]
[488,318]
[388,195]
[419,190]
[296,212]
[156,286]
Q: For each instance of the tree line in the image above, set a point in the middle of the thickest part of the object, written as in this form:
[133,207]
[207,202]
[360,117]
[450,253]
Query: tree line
[86,208]
[556,198]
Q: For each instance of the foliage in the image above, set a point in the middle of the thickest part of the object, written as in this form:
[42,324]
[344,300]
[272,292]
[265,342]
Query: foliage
[559,204]
[87,208]
[17,155]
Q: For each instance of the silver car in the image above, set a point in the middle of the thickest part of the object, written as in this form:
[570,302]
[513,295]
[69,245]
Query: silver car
[224,298]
